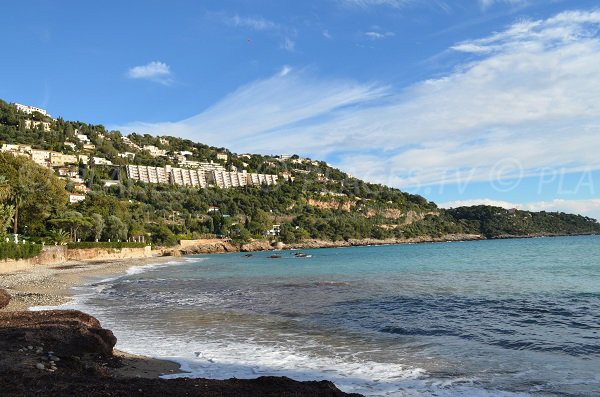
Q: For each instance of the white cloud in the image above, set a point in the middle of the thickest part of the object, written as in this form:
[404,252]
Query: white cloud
[284,34]
[370,3]
[327,35]
[255,23]
[590,207]
[526,98]
[285,70]
[378,35]
[156,71]
[485,4]
[254,115]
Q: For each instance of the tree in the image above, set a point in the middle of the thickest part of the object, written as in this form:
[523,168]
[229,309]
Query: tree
[73,220]
[97,226]
[58,236]
[6,218]
[35,192]
[5,192]
[115,228]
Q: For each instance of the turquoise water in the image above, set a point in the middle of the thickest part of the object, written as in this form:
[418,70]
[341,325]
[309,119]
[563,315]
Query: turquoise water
[484,318]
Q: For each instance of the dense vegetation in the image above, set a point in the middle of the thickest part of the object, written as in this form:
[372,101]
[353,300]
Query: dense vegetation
[498,222]
[19,251]
[318,201]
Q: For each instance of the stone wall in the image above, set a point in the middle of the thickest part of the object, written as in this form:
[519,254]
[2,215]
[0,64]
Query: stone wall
[52,255]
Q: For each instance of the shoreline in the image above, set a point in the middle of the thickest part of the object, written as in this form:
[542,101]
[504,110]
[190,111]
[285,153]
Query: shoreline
[49,351]
[51,286]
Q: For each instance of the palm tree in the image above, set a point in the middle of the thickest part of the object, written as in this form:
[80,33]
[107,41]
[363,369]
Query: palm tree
[5,191]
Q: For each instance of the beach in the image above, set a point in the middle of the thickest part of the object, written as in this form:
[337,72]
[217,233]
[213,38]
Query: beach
[51,286]
[85,360]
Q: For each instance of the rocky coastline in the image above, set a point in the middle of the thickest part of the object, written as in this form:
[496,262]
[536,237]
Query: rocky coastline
[67,352]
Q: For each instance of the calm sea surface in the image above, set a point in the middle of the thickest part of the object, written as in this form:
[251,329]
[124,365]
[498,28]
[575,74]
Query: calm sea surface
[486,318]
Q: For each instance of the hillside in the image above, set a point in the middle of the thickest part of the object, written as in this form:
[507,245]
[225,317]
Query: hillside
[78,186]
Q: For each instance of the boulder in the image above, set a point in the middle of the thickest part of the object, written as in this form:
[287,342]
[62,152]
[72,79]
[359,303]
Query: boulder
[65,332]
[4,298]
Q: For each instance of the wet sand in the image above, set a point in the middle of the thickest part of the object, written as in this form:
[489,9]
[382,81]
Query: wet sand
[51,285]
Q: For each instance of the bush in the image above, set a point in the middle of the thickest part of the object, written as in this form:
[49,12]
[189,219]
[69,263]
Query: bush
[104,244]
[19,251]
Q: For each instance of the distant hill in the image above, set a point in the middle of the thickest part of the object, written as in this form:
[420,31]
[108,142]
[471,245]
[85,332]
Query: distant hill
[311,200]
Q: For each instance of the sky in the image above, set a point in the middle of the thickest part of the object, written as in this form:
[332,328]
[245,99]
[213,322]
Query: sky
[463,101]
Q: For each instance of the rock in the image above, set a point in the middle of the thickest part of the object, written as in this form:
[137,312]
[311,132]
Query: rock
[4,298]
[40,366]
[65,332]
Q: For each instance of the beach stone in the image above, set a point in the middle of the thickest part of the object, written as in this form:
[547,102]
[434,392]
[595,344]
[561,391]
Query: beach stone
[66,332]
[4,298]
[40,366]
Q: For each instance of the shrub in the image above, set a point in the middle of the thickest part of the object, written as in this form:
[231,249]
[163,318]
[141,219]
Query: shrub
[19,251]
[104,244]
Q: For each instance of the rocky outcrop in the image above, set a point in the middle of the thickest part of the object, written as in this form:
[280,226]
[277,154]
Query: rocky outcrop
[207,246]
[64,332]
[4,298]
[257,245]
[307,244]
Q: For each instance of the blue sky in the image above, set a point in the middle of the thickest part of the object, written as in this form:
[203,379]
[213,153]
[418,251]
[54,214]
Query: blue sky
[494,101]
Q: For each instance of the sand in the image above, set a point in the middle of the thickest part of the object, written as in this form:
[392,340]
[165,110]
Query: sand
[51,285]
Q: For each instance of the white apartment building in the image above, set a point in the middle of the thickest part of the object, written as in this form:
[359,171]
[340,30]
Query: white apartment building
[222,156]
[30,109]
[41,157]
[187,177]
[101,161]
[75,198]
[128,155]
[154,151]
[197,177]
[83,138]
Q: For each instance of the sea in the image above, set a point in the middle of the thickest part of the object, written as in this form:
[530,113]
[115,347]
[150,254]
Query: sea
[514,317]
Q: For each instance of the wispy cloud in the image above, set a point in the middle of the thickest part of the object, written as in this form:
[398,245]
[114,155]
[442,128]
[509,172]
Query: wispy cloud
[258,111]
[155,71]
[589,207]
[255,23]
[327,35]
[284,34]
[371,3]
[485,4]
[378,35]
[523,99]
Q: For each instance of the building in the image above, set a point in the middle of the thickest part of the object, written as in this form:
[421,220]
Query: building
[129,143]
[226,180]
[222,156]
[75,197]
[83,158]
[200,177]
[83,138]
[30,109]
[90,147]
[128,155]
[80,187]
[59,159]
[148,174]
[41,157]
[187,177]
[154,151]
[101,161]
[71,145]
[30,124]
[274,231]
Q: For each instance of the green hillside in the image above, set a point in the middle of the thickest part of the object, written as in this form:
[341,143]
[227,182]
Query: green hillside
[310,200]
